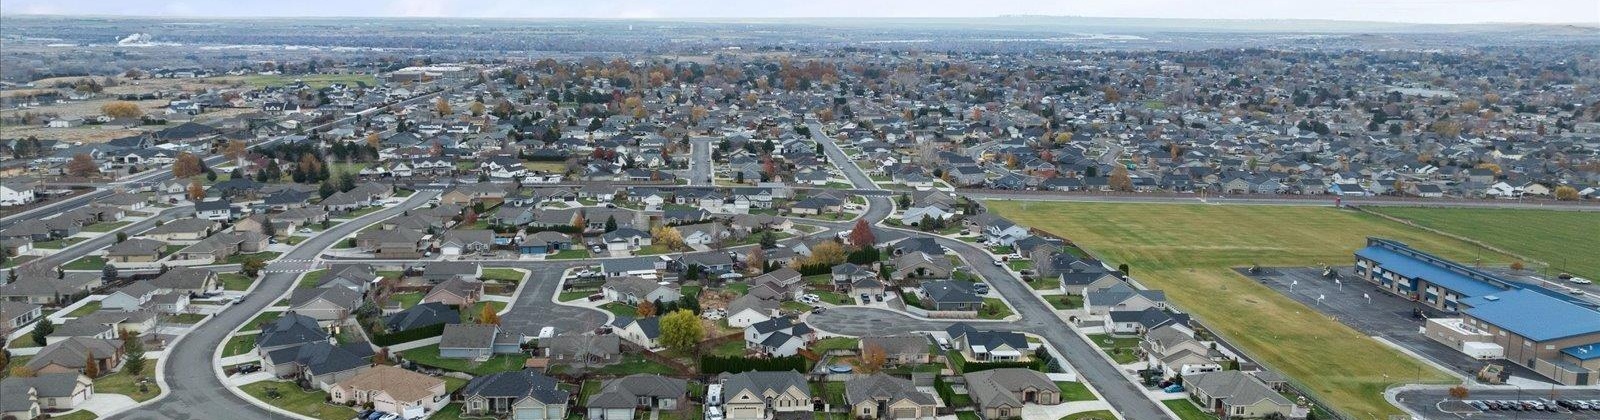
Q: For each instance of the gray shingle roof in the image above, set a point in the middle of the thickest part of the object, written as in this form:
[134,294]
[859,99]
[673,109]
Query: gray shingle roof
[517,384]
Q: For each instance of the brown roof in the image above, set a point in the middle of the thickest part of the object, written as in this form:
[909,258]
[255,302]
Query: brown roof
[403,385]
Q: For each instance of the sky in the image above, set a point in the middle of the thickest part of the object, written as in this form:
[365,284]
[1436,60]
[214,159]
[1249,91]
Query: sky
[1585,12]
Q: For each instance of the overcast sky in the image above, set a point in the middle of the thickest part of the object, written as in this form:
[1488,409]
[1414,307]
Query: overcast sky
[1422,11]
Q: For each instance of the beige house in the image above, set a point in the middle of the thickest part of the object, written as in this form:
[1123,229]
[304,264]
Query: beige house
[760,395]
[1001,393]
[392,389]
[1232,394]
[880,396]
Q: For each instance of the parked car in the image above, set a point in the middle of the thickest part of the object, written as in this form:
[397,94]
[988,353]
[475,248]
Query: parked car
[1580,280]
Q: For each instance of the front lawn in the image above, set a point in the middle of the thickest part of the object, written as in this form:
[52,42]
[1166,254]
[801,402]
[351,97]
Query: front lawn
[572,295]
[58,243]
[994,308]
[1045,283]
[292,398]
[362,212]
[1186,410]
[1075,391]
[263,256]
[569,254]
[265,317]
[92,262]
[477,308]
[1091,415]
[239,344]
[621,309]
[104,227]
[122,383]
[503,275]
[834,297]
[185,318]
[429,356]
[1066,301]
[1122,349]
[235,281]
[310,279]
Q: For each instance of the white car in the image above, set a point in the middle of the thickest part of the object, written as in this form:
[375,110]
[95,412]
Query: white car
[1579,280]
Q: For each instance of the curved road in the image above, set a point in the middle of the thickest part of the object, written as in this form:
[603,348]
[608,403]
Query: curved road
[194,392]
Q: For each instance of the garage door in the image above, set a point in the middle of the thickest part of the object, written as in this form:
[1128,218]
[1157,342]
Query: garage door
[905,413]
[529,414]
[745,413]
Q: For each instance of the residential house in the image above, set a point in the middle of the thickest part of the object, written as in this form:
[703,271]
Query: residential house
[955,298]
[644,332]
[73,354]
[881,396]
[778,337]
[1002,393]
[618,399]
[900,349]
[318,364]
[523,395]
[185,230]
[750,309]
[765,395]
[14,315]
[135,251]
[392,389]
[989,346]
[1122,297]
[1234,394]
[187,280]
[459,291]
[325,304]
[920,265]
[131,297]
[475,341]
[423,315]
[289,330]
[1173,350]
[51,391]
[583,350]
[633,290]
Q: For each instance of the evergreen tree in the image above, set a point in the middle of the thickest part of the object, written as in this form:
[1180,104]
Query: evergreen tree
[43,329]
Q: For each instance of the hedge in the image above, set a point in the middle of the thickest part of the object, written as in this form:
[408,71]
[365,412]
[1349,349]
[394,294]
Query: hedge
[410,335]
[716,364]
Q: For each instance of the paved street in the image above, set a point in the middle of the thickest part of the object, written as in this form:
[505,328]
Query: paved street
[1037,316]
[190,376]
[91,245]
[534,308]
[701,168]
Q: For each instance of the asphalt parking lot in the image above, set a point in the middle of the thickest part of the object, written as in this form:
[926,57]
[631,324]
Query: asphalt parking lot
[1436,404]
[1368,309]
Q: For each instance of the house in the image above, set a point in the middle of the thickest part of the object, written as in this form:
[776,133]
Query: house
[15,193]
[476,341]
[989,346]
[1001,393]
[357,277]
[187,280]
[136,250]
[900,349]
[46,289]
[318,363]
[131,297]
[1173,349]
[73,354]
[785,280]
[1140,321]
[325,304]
[289,330]
[465,241]
[423,315]
[524,395]
[136,321]
[216,210]
[750,309]
[881,396]
[619,398]
[952,296]
[619,267]
[645,332]
[633,290]
[847,275]
[391,389]
[170,303]
[584,350]
[53,391]
[765,395]
[458,291]
[185,230]
[14,315]
[258,223]
[703,233]
[1122,297]
[778,337]
[546,242]
[921,265]
[439,271]
[1003,232]
[1234,394]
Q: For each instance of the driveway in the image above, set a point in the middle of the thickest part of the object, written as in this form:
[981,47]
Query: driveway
[101,404]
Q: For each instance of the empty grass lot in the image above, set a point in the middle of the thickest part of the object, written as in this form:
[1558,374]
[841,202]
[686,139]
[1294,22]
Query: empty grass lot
[1188,251]
[429,355]
[1562,239]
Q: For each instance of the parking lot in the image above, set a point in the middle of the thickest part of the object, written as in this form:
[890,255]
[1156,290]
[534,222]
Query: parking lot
[1504,404]
[1372,311]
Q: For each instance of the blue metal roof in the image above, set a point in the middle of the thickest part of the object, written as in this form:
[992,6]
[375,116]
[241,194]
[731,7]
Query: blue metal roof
[1533,315]
[1584,352]
[1414,268]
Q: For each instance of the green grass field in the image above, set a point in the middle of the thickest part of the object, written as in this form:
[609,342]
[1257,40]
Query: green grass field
[1186,410]
[1559,238]
[122,383]
[429,355]
[1188,251]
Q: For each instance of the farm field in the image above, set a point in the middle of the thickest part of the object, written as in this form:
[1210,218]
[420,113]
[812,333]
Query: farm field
[1557,238]
[1188,251]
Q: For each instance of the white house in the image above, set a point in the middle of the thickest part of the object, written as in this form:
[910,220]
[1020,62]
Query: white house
[15,194]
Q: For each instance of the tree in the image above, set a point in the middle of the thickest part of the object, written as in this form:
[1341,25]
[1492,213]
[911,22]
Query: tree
[645,309]
[187,165]
[1120,180]
[133,350]
[374,141]
[381,357]
[470,218]
[861,236]
[872,359]
[1123,268]
[82,165]
[667,237]
[121,109]
[476,108]
[122,237]
[22,372]
[1516,266]
[768,240]
[611,223]
[42,329]
[1566,193]
[236,149]
[827,253]
[681,330]
[252,266]
[442,107]
[1458,392]
[487,316]
[755,262]
[90,368]
[197,192]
